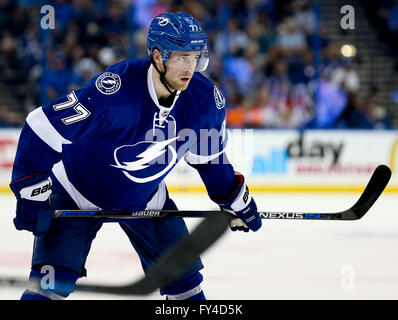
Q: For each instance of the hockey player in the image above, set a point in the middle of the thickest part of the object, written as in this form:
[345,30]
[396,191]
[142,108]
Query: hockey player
[110,145]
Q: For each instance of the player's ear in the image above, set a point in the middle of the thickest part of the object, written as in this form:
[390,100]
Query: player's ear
[157,58]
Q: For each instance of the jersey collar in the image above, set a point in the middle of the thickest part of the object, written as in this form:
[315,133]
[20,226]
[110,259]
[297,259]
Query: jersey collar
[163,112]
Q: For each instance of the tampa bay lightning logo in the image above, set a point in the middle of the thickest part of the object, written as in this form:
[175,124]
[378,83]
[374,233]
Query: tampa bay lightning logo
[137,161]
[162,21]
[108,83]
[219,98]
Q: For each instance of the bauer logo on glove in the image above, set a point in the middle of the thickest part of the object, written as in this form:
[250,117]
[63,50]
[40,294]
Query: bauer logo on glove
[38,192]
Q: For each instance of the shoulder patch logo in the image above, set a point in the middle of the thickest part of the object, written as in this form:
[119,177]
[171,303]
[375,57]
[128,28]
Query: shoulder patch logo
[108,83]
[219,98]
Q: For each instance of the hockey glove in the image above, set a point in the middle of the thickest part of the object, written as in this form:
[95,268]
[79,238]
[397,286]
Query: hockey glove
[33,207]
[243,206]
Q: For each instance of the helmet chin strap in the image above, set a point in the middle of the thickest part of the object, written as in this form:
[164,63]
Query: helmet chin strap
[162,76]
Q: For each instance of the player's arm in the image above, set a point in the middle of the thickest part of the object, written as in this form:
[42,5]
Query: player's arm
[224,186]
[45,133]
[228,189]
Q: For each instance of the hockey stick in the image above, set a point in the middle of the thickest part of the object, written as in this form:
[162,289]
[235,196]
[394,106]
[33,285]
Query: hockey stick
[172,265]
[373,190]
[169,268]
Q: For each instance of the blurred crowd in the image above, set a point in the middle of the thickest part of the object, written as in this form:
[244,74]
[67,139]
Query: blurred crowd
[388,13]
[271,58]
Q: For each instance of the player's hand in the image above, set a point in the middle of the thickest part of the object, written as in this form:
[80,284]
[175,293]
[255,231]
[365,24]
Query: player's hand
[33,208]
[248,215]
[243,206]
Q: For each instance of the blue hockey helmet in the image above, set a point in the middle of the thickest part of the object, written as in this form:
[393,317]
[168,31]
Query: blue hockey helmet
[179,31]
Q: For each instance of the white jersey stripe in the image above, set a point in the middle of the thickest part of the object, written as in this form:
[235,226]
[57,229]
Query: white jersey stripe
[48,294]
[185,295]
[159,198]
[40,125]
[193,158]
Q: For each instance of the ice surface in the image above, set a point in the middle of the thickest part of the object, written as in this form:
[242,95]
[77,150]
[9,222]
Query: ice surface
[283,260]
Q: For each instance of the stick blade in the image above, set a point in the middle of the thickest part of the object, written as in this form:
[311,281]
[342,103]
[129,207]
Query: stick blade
[175,262]
[377,183]
[168,269]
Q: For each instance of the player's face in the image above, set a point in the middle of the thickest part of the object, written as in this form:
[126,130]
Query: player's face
[180,68]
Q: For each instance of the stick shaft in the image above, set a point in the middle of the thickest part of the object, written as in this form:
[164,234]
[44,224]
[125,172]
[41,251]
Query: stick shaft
[120,214]
[373,190]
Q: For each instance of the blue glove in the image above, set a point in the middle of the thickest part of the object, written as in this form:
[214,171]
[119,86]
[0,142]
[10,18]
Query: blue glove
[33,208]
[243,206]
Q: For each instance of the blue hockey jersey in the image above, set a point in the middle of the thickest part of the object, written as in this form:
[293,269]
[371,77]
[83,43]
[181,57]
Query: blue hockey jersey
[110,144]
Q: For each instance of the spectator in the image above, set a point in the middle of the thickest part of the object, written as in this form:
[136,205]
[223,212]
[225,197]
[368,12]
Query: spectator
[290,39]
[346,77]
[86,68]
[329,104]
[266,37]
[58,78]
[28,48]
[114,24]
[236,117]
[277,87]
[304,17]
[269,114]
[65,12]
[87,24]
[376,114]
[9,60]
[240,70]
[353,116]
[143,12]
[259,50]
[392,20]
[233,41]
[10,118]
[106,57]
